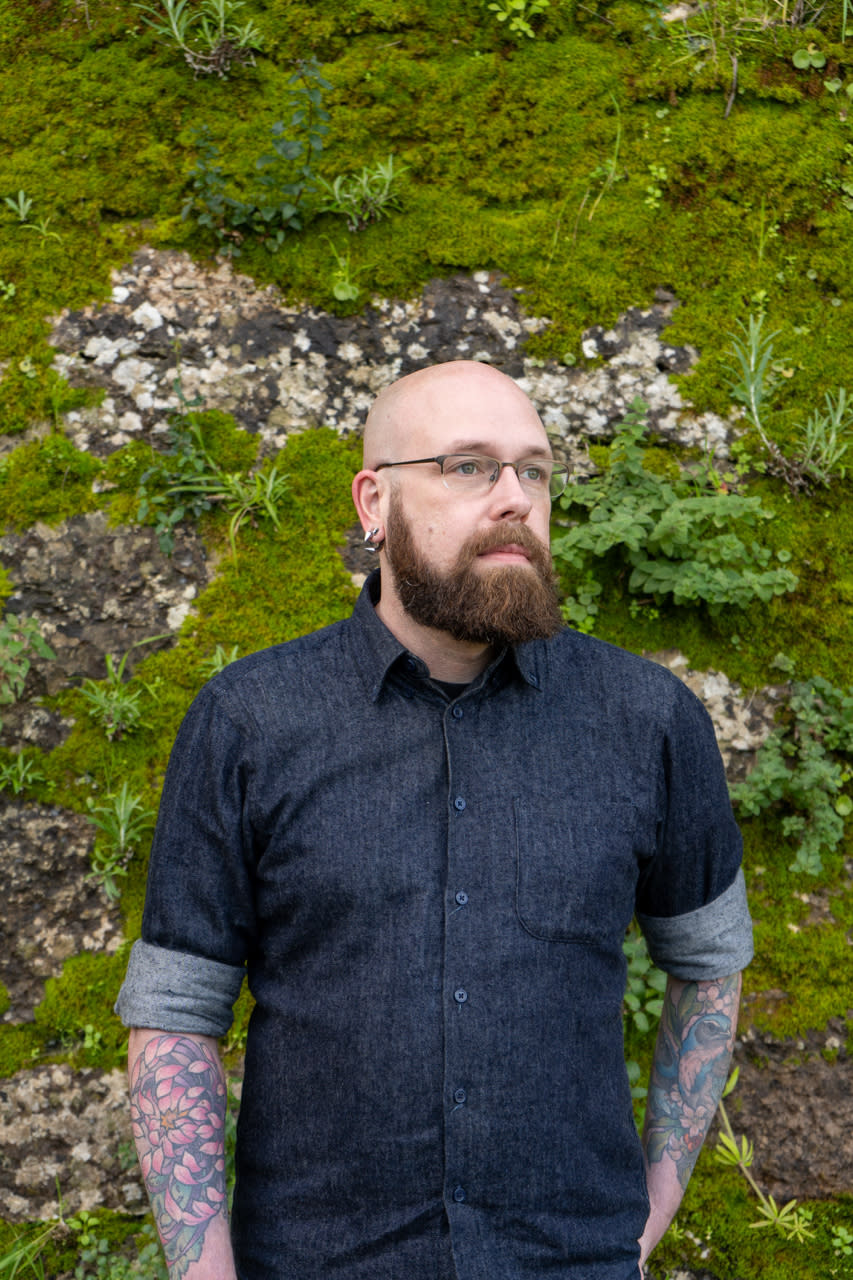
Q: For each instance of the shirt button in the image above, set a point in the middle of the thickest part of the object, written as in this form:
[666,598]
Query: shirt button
[410,664]
[462,897]
[459,804]
[459,1194]
[457,713]
[459,1095]
[534,680]
[460,995]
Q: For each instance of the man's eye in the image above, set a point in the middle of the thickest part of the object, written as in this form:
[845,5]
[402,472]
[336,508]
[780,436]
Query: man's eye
[467,467]
[533,473]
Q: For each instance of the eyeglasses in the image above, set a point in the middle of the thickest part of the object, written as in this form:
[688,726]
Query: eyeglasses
[472,473]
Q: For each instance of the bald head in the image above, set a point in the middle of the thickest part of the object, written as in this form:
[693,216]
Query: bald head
[435,410]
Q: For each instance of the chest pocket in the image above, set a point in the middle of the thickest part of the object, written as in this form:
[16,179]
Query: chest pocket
[576,869]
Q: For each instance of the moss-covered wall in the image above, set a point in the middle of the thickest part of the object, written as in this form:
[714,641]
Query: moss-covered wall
[609,156]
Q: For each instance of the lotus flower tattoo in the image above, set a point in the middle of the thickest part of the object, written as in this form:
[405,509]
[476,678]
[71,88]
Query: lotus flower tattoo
[178,1117]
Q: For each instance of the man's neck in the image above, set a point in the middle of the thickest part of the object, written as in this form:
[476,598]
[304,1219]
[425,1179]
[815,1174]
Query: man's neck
[447,659]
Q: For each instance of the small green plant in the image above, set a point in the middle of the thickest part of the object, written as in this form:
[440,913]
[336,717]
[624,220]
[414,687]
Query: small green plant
[20,641]
[824,439]
[680,536]
[111,703]
[808,59]
[209,36]
[654,191]
[7,290]
[603,175]
[788,1221]
[344,286]
[803,767]
[20,205]
[517,14]
[835,86]
[646,984]
[187,482]
[643,999]
[242,496]
[363,197]
[842,1241]
[21,772]
[218,661]
[123,820]
[273,208]
[98,1259]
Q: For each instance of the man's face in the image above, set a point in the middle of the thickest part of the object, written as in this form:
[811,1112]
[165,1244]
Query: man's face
[499,590]
[475,565]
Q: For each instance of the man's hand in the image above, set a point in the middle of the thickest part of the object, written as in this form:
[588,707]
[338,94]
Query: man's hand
[689,1071]
[178,1099]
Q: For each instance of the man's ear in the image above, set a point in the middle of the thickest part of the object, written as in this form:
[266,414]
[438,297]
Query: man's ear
[365,495]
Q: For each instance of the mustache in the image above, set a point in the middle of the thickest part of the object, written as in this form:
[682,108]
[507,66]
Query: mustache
[507,535]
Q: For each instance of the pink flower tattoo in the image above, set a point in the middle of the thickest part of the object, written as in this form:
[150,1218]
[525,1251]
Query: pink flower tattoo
[178,1117]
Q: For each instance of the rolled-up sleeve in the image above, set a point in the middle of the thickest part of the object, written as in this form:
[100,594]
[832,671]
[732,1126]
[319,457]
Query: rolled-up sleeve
[710,942]
[174,991]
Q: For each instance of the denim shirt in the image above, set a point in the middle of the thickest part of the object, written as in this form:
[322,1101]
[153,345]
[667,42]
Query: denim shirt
[430,896]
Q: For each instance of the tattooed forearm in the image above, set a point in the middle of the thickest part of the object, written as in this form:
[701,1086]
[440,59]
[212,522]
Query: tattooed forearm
[178,1099]
[689,1071]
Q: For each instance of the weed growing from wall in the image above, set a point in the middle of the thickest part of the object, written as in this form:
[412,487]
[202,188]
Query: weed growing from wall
[803,768]
[822,441]
[210,36]
[274,206]
[20,641]
[681,538]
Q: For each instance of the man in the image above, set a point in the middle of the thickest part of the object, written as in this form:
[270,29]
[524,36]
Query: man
[425,831]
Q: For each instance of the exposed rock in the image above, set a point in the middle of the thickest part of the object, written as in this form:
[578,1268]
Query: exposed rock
[280,368]
[71,1128]
[50,910]
[97,590]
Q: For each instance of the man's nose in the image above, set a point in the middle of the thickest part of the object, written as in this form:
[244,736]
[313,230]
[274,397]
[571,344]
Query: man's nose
[509,497]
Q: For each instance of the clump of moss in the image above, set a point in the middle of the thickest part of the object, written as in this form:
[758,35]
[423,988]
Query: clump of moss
[46,480]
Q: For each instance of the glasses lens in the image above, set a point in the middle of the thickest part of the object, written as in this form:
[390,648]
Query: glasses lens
[469,471]
[559,478]
[541,475]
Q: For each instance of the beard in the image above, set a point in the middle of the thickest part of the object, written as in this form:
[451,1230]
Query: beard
[502,605]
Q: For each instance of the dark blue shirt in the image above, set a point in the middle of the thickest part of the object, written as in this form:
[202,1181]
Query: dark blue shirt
[431,896]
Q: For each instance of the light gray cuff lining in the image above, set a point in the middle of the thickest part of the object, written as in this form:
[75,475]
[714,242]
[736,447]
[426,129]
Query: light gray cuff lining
[174,991]
[711,942]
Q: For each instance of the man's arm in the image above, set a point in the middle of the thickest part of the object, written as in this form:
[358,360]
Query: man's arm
[689,1071]
[178,1100]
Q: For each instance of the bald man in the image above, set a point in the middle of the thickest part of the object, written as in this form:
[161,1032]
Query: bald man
[423,832]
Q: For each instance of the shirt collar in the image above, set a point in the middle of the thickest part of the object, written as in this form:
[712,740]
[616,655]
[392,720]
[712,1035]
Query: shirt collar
[378,649]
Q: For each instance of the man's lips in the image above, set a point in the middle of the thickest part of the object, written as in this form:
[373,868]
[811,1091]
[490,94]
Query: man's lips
[506,551]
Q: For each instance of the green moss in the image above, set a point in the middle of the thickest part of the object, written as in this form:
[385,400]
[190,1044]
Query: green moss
[713,1232]
[46,480]
[803,968]
[82,998]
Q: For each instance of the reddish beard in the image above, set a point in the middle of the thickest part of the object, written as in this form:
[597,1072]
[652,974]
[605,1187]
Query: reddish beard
[498,605]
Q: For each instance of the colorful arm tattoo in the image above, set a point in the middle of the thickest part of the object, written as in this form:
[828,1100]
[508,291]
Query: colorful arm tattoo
[177,1095]
[691,1063]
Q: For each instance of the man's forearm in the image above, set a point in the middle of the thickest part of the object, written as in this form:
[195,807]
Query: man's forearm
[691,1063]
[178,1102]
